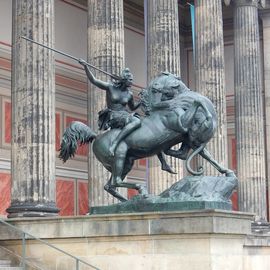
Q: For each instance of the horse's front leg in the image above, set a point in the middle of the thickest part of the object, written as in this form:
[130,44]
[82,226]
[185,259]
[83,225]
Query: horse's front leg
[164,165]
[181,153]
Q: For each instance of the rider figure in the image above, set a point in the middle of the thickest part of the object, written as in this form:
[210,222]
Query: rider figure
[118,96]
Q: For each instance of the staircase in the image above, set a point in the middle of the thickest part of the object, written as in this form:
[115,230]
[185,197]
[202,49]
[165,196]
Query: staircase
[25,261]
[6,265]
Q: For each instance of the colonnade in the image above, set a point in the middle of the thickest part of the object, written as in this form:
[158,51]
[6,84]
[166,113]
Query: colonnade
[33,91]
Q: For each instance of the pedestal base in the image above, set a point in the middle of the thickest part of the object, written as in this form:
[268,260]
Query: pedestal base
[189,193]
[147,205]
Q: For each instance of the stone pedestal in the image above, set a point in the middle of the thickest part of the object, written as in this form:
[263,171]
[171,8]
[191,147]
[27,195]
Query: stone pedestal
[33,110]
[249,109]
[210,240]
[210,73]
[105,51]
[163,54]
[189,193]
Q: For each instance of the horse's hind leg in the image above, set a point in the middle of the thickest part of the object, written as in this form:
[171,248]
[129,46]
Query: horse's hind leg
[112,190]
[118,164]
[140,188]
[181,153]
[133,124]
[121,168]
[164,165]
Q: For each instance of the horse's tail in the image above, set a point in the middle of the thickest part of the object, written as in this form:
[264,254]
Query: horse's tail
[77,131]
[200,170]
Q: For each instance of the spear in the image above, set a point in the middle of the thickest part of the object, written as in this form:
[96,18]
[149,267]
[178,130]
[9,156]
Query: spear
[72,57]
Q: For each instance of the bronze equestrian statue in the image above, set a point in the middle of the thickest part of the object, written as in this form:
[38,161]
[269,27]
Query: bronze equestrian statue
[173,114]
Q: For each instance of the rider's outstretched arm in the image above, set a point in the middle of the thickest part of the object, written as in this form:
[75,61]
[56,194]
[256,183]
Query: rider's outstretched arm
[100,84]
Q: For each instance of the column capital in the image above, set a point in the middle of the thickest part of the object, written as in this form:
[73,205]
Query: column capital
[239,3]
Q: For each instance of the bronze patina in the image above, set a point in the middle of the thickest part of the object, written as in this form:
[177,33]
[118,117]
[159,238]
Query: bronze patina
[172,114]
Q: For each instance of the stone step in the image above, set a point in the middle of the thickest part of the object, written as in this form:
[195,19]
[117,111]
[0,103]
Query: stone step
[5,263]
[10,268]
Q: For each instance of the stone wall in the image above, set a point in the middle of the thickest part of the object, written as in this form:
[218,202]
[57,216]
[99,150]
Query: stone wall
[193,240]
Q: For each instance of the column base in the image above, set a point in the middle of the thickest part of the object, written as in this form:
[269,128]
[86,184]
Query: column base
[32,210]
[260,227]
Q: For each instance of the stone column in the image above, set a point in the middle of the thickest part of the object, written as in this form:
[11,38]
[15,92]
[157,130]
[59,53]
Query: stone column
[33,110]
[249,109]
[105,51]
[266,45]
[210,73]
[163,54]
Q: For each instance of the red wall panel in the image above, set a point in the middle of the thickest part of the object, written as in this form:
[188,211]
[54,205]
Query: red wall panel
[7,122]
[132,192]
[234,197]
[83,198]
[5,191]
[65,197]
[142,162]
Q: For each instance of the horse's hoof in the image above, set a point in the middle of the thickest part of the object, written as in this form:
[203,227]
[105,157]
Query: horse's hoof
[108,187]
[168,169]
[122,199]
[142,190]
[230,173]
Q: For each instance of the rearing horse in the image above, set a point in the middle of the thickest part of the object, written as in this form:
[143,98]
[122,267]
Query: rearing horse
[174,115]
